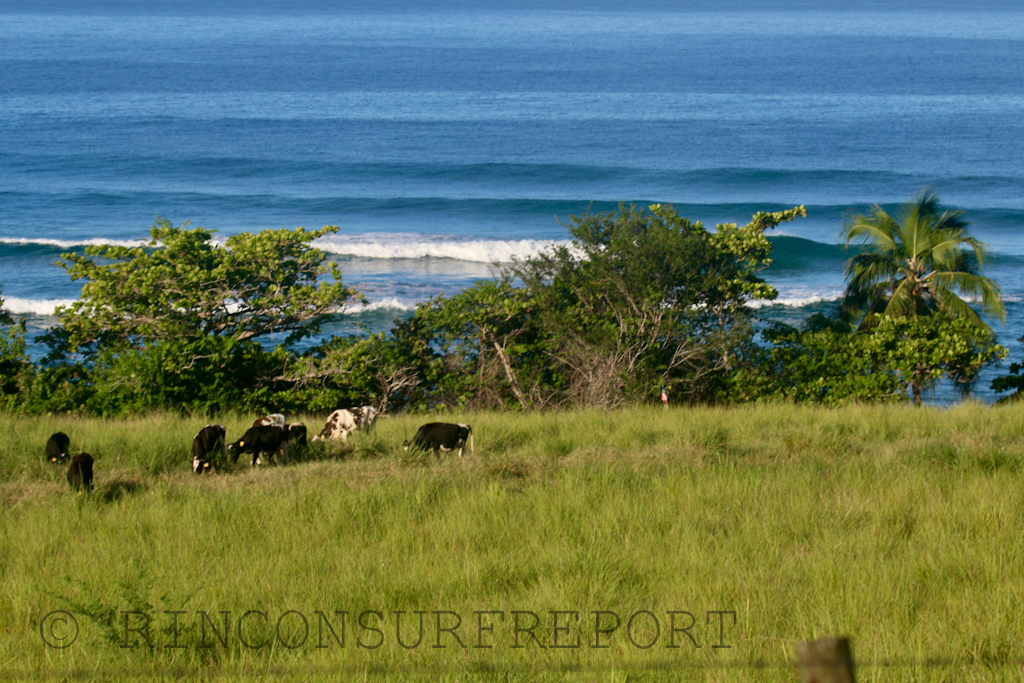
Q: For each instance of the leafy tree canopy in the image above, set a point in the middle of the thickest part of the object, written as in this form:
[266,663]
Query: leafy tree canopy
[15,368]
[625,307]
[825,362]
[5,317]
[1013,381]
[184,286]
[922,350]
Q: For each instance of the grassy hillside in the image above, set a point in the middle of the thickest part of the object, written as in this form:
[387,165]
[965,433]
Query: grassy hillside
[900,528]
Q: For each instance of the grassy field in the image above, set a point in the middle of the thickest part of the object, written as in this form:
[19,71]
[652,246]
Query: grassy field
[741,531]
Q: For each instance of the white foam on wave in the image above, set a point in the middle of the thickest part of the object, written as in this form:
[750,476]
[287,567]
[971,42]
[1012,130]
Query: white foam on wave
[48,307]
[71,244]
[389,304]
[375,246]
[18,306]
[404,246]
[796,301]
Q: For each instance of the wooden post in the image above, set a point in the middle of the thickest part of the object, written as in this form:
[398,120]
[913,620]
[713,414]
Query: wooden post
[825,661]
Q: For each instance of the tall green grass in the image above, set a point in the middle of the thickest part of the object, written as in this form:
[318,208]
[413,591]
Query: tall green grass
[897,527]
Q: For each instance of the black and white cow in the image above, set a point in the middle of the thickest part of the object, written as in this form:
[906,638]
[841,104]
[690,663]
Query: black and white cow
[345,421]
[269,439]
[210,439]
[80,473]
[442,436]
[270,420]
[57,448]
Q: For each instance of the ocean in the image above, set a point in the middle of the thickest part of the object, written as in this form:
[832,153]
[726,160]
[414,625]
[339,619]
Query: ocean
[440,137]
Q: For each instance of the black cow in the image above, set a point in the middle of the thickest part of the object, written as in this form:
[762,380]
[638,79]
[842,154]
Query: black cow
[80,473]
[57,448]
[442,436]
[269,439]
[209,439]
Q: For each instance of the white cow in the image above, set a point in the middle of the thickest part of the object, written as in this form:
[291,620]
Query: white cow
[345,421]
[272,420]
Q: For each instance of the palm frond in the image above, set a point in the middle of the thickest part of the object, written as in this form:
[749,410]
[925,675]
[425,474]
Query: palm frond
[857,303]
[955,307]
[927,204]
[979,288]
[877,230]
[865,269]
[902,303]
[925,245]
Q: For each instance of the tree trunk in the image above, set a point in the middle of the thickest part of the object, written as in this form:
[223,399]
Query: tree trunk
[511,375]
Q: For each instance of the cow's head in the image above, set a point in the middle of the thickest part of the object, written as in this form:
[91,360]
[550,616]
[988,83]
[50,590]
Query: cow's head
[235,449]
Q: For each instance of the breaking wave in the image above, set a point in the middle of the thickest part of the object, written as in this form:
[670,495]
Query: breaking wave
[71,244]
[797,301]
[47,307]
[410,246]
[389,304]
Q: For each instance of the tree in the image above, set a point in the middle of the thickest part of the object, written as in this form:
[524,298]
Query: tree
[493,350]
[825,361]
[14,362]
[184,286]
[5,317]
[918,263]
[179,322]
[388,370]
[644,299]
[924,349]
[1013,381]
[822,361]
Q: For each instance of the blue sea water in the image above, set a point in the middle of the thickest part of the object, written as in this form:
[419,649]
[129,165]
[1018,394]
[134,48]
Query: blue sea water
[440,137]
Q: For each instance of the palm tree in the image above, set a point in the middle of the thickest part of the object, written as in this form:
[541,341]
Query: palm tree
[919,263]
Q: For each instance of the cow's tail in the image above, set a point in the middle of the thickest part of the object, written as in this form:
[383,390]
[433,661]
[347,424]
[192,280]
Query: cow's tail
[472,451]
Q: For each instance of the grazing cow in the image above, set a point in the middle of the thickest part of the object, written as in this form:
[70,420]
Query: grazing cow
[442,436]
[57,448]
[270,420]
[209,439]
[80,473]
[345,421]
[296,434]
[269,439]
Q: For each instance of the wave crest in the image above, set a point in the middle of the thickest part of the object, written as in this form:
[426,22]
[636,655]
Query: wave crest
[47,307]
[71,244]
[389,304]
[419,246]
[796,301]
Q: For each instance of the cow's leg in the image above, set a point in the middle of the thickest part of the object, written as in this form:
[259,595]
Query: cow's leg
[284,453]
